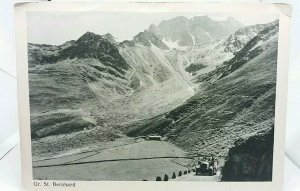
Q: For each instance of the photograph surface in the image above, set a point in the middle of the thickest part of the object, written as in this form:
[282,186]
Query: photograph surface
[133,96]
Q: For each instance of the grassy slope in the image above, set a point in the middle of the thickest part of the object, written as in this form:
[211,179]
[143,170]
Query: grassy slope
[117,170]
[66,81]
[62,94]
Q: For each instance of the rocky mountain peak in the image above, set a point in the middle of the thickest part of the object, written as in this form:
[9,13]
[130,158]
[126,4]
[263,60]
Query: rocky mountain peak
[242,36]
[201,19]
[109,37]
[187,32]
[149,38]
[90,45]
[89,36]
[180,19]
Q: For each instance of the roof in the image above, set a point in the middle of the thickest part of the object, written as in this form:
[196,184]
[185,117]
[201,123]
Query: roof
[202,162]
[154,136]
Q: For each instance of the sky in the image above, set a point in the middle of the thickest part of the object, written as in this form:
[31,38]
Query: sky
[58,27]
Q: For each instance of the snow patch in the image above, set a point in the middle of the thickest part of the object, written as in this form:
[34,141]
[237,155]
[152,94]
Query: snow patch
[155,47]
[172,44]
[193,37]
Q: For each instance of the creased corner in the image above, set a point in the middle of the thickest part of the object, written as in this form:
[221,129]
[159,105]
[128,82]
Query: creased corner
[284,8]
[25,3]
[21,4]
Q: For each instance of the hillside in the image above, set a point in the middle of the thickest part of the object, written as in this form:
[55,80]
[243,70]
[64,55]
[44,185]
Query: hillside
[95,83]
[66,82]
[235,100]
[207,56]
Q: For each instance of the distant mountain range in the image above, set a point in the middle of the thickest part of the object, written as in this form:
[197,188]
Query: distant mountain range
[182,32]
[201,83]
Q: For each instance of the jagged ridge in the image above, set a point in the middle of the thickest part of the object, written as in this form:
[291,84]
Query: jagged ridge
[91,45]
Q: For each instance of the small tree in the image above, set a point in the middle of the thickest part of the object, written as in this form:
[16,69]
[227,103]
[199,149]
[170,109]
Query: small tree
[174,175]
[158,178]
[166,178]
[180,173]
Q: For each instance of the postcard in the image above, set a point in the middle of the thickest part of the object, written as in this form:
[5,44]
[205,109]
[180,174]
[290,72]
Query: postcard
[152,96]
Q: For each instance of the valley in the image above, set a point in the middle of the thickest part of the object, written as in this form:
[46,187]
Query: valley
[200,88]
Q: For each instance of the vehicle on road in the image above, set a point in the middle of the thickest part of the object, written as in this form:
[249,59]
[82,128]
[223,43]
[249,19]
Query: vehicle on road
[207,166]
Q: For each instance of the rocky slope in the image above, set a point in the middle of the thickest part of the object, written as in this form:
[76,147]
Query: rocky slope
[206,57]
[250,159]
[236,41]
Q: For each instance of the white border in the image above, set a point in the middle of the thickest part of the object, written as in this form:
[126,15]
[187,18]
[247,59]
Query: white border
[281,92]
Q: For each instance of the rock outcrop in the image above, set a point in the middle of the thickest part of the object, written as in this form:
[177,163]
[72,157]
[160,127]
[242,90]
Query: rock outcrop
[250,159]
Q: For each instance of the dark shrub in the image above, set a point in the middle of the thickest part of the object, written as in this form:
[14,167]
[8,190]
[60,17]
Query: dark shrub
[180,173]
[174,175]
[166,178]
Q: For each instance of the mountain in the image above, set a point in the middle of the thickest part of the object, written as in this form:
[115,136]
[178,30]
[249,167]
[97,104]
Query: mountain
[91,45]
[235,100]
[93,83]
[253,48]
[203,84]
[242,36]
[67,81]
[110,38]
[194,31]
[157,81]
[147,38]
[207,56]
